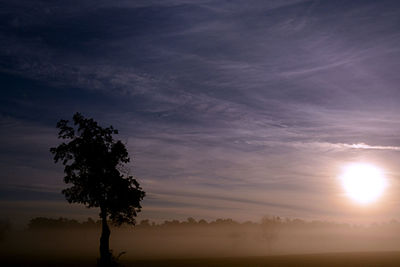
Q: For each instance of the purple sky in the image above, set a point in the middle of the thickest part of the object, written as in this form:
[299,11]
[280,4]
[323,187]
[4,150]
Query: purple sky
[235,109]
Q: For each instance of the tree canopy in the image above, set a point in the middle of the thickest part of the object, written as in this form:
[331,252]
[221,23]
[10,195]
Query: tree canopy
[93,161]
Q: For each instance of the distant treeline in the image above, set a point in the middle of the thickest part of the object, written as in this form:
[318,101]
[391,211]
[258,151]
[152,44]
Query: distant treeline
[269,222]
[4,227]
[51,223]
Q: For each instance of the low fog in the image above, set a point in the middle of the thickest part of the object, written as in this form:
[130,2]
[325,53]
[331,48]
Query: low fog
[197,239]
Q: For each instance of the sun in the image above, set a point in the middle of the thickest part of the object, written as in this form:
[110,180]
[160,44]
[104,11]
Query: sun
[364,183]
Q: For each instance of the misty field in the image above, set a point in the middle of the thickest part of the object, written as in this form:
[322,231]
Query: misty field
[221,243]
[325,259]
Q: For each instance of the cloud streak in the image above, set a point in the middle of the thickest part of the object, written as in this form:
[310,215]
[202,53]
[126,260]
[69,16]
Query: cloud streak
[365,146]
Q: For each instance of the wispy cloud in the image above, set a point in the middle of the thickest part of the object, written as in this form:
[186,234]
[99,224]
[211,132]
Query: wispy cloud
[366,146]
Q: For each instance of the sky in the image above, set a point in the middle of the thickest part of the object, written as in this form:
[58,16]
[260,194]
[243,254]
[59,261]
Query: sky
[229,109]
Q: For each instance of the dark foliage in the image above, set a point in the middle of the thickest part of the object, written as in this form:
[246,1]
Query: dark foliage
[92,159]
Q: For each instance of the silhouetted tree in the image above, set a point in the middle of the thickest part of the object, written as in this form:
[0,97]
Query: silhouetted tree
[203,222]
[191,221]
[270,227]
[92,162]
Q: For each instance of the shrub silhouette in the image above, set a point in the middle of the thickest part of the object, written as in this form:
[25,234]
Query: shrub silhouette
[92,161]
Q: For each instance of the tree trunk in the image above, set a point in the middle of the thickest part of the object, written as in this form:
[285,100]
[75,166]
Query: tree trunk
[105,254]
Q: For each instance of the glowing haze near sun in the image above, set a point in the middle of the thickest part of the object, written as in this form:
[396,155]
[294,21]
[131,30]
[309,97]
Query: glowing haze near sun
[363,183]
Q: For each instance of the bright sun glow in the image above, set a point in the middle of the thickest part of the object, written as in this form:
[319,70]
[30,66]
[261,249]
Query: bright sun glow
[363,182]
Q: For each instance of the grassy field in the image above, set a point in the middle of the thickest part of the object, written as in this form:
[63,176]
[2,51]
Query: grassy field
[325,259]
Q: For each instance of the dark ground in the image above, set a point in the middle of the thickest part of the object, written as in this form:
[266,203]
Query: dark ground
[326,259]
